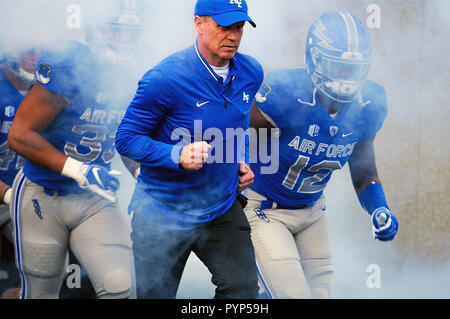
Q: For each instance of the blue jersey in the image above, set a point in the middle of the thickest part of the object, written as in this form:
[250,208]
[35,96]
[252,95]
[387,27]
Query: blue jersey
[10,99]
[312,143]
[85,128]
[178,102]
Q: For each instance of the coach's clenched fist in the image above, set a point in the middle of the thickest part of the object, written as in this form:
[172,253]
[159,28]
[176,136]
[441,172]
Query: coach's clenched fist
[246,177]
[194,155]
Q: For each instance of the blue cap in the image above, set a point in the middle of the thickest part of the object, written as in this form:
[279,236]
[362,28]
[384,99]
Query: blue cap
[224,12]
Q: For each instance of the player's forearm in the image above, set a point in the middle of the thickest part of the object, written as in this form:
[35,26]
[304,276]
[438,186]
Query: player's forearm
[363,169]
[258,120]
[32,146]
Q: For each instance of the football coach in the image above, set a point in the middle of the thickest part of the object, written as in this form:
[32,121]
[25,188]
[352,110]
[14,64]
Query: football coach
[184,202]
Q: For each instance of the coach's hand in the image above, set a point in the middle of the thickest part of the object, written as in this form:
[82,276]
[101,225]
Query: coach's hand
[194,155]
[95,178]
[246,177]
[384,224]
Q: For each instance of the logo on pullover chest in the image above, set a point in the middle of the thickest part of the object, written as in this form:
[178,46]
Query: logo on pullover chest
[201,104]
[246,98]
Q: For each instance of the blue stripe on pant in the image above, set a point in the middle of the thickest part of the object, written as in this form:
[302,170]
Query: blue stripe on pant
[266,294]
[16,210]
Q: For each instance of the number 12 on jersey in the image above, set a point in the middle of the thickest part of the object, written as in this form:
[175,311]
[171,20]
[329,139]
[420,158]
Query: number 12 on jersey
[310,184]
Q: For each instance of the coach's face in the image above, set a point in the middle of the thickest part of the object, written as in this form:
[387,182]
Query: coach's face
[218,44]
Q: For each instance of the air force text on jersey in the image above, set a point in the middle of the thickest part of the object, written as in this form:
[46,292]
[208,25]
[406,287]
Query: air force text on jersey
[330,150]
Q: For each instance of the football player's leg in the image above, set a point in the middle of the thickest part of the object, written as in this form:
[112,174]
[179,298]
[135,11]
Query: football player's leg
[102,244]
[315,252]
[279,270]
[84,289]
[40,240]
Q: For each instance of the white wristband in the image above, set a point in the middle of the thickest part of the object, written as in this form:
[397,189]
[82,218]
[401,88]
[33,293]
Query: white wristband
[7,196]
[72,169]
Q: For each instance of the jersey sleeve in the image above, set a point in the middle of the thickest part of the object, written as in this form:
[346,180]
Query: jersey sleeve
[269,98]
[144,114]
[54,71]
[375,112]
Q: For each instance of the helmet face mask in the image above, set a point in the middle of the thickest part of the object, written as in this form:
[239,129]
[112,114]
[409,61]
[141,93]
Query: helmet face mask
[22,65]
[119,39]
[117,31]
[338,57]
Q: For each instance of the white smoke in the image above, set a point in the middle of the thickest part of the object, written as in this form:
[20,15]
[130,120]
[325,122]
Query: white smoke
[411,61]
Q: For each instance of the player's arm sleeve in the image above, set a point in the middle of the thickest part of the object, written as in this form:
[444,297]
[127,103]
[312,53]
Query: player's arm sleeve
[149,106]
[55,74]
[375,113]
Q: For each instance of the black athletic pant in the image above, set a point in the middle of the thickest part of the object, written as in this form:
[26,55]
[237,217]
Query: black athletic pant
[223,245]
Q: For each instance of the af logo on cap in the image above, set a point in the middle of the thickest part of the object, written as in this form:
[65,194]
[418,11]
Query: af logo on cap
[238,2]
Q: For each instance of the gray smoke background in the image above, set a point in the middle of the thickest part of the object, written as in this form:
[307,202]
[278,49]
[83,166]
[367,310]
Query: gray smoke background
[411,61]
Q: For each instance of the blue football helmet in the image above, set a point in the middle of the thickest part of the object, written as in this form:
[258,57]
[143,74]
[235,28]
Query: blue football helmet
[338,55]
[117,28]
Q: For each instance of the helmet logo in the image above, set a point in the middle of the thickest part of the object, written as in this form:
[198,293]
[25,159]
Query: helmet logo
[323,40]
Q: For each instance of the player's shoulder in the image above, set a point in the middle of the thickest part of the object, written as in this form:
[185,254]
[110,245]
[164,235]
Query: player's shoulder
[373,98]
[373,89]
[60,67]
[292,79]
[65,53]
[290,83]
[368,113]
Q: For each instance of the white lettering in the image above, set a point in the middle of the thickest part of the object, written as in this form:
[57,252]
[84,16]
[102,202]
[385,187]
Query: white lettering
[374,279]
[74,19]
[374,19]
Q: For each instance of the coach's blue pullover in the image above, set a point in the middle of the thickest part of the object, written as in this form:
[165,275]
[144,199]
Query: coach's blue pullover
[178,102]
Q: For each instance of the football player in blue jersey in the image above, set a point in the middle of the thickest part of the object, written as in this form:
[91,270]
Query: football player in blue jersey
[185,202]
[324,116]
[16,79]
[65,196]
